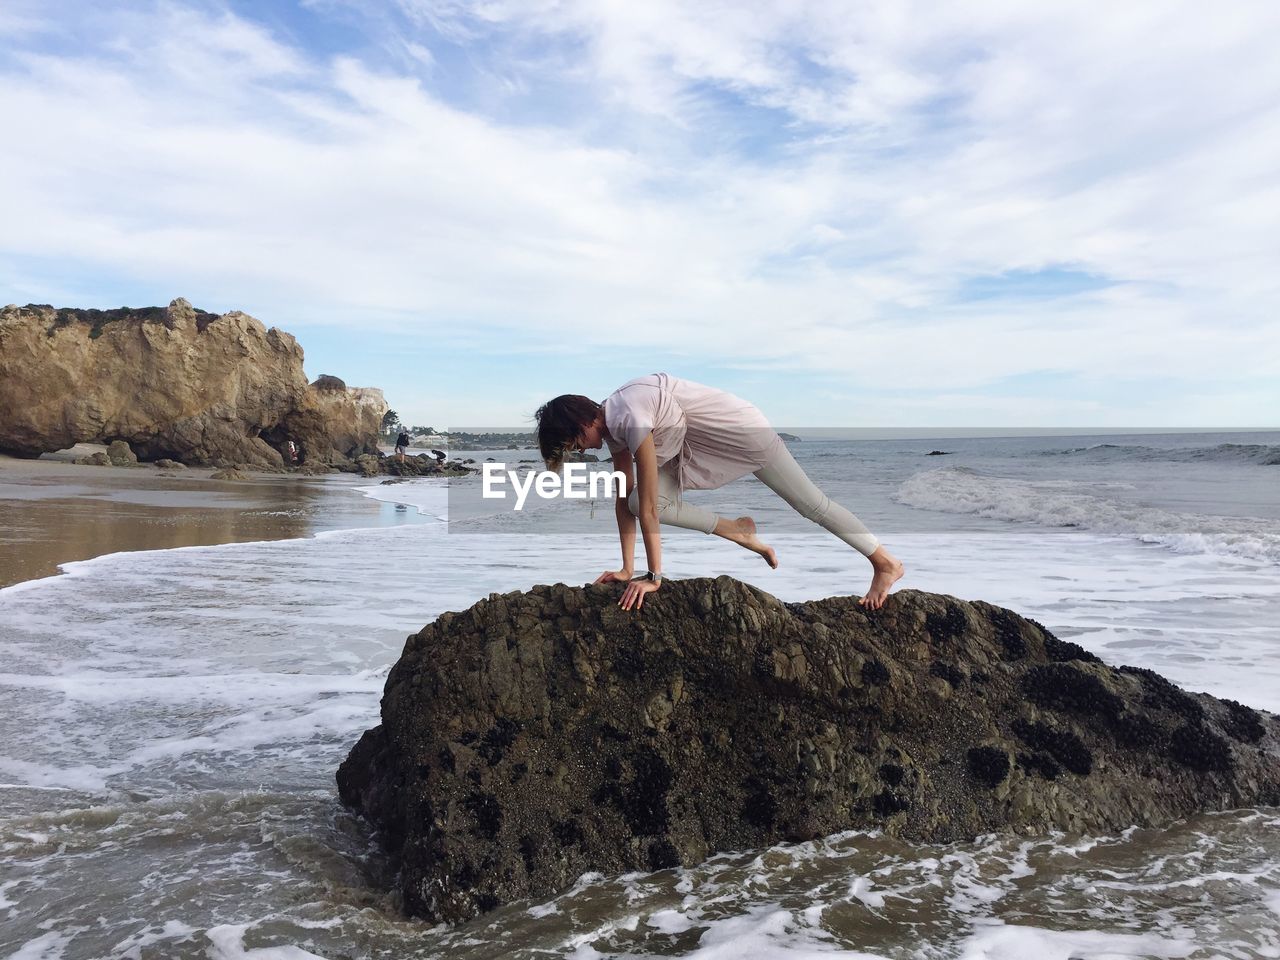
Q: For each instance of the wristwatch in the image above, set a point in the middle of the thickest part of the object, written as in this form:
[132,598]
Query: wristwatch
[650,575]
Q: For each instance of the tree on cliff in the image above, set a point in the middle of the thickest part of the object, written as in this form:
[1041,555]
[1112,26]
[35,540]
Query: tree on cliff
[390,420]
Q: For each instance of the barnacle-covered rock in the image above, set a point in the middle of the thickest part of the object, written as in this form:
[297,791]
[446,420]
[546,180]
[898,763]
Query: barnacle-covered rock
[540,735]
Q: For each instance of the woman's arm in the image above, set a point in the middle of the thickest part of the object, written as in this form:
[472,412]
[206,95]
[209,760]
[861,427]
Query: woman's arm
[647,485]
[626,521]
[647,497]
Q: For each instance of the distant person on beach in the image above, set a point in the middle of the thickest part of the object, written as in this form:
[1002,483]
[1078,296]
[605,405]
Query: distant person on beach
[402,444]
[681,435]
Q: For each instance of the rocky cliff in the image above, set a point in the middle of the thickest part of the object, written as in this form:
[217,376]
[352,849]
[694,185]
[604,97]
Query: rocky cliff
[173,382]
[540,735]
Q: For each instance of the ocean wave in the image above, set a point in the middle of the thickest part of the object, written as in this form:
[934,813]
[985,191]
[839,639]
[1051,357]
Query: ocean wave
[965,491]
[1263,454]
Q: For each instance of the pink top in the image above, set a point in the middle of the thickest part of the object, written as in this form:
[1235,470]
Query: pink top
[713,436]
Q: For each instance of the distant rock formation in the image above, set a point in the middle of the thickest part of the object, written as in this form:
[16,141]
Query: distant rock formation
[172,383]
[118,454]
[419,466]
[333,424]
[539,735]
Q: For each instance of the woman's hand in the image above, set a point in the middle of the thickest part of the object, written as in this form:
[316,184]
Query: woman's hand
[634,594]
[615,576]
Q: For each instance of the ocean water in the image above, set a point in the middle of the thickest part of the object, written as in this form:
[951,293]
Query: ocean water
[173,720]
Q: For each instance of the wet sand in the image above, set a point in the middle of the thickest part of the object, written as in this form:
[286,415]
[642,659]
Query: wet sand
[53,511]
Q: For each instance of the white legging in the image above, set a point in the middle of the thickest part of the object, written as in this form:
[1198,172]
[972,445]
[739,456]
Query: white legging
[785,478]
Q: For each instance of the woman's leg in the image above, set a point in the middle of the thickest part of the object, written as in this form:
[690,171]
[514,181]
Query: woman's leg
[677,512]
[786,478]
[673,510]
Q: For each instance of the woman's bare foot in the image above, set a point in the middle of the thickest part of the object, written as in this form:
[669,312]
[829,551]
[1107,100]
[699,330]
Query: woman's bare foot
[888,571]
[743,532]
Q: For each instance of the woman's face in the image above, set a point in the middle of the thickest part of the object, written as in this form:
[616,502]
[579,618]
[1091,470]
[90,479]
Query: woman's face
[591,436]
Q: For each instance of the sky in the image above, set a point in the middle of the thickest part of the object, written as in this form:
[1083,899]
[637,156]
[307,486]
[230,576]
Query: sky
[882,213]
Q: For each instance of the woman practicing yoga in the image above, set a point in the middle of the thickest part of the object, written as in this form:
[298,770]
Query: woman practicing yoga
[682,435]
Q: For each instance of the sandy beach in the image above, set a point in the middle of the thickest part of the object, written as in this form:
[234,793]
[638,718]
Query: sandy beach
[54,511]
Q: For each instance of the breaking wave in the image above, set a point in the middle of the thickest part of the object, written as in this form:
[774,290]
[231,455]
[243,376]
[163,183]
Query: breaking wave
[964,491]
[1254,453]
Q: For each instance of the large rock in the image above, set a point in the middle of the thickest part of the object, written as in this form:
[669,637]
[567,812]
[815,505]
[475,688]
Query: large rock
[121,454]
[334,423]
[540,735]
[175,383]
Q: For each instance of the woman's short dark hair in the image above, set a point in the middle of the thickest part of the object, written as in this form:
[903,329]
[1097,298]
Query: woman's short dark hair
[559,423]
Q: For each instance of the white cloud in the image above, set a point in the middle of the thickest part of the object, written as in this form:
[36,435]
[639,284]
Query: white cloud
[911,147]
[22,18]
